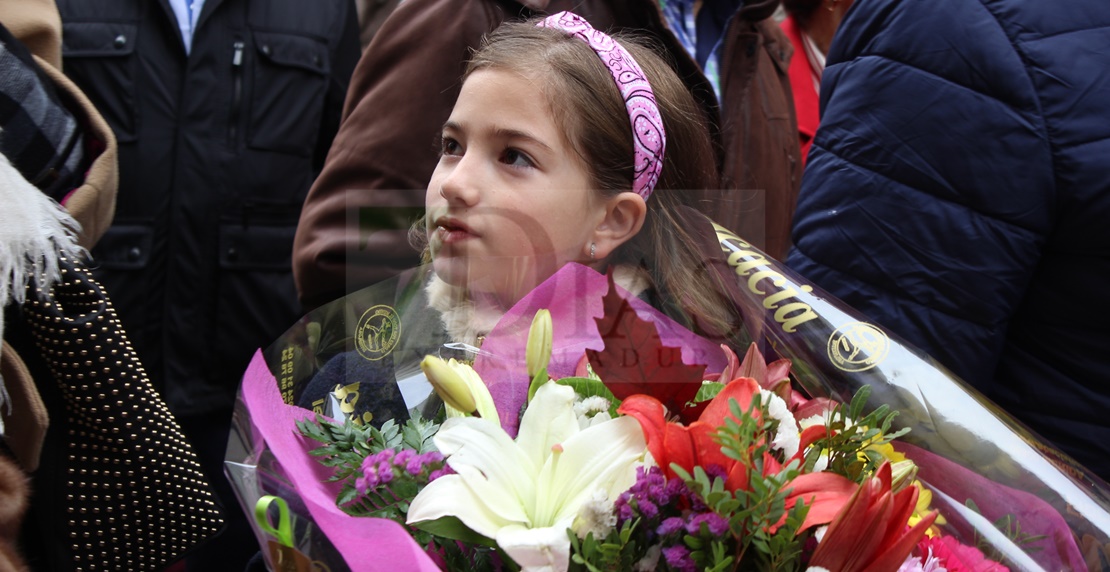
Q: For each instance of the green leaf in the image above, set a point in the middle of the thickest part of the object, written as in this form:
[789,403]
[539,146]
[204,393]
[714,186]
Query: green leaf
[708,391]
[534,386]
[452,528]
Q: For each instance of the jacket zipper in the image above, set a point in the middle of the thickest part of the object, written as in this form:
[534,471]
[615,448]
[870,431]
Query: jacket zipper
[236,90]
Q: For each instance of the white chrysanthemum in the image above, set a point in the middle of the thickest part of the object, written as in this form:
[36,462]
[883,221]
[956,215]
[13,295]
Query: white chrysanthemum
[931,564]
[824,420]
[596,516]
[787,438]
[591,411]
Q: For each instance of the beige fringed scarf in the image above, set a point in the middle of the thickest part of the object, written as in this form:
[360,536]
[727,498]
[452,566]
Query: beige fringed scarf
[34,230]
[467,322]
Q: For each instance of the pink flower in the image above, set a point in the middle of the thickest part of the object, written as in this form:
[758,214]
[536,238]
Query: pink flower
[959,557]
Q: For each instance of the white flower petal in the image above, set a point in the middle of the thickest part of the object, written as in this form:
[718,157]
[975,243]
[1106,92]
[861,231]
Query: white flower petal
[549,420]
[787,437]
[449,496]
[482,398]
[523,494]
[537,549]
[498,501]
[601,457]
[468,441]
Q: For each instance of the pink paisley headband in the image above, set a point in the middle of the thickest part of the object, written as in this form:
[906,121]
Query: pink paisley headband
[649,139]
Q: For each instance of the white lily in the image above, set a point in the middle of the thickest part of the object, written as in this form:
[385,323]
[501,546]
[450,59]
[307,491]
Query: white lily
[525,494]
[461,388]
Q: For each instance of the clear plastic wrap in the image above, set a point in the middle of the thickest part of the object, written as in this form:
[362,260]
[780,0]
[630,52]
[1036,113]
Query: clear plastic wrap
[998,486]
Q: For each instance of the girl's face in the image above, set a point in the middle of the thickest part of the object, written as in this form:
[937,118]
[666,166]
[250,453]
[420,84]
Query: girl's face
[510,201]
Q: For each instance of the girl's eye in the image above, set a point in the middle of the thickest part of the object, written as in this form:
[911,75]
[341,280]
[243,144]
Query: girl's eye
[449,146]
[516,158]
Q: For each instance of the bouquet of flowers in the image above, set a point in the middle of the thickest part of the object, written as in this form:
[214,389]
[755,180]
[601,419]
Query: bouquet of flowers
[629,443]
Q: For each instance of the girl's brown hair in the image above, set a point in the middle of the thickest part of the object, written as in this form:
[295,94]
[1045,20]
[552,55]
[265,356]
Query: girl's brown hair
[584,98]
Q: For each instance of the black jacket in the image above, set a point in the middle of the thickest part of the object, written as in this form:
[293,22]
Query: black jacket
[972,221]
[217,151]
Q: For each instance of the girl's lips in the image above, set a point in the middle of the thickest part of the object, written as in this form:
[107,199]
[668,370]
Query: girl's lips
[450,230]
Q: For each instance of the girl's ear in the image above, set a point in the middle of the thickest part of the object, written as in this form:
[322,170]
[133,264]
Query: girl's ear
[624,217]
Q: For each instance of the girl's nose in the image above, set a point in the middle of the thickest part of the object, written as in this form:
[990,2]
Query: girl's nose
[460,185]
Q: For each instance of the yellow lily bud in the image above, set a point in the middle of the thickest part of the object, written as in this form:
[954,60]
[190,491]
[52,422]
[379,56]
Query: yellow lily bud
[449,385]
[538,354]
[903,474]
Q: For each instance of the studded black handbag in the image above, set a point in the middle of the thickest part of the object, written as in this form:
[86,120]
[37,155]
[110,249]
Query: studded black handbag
[119,487]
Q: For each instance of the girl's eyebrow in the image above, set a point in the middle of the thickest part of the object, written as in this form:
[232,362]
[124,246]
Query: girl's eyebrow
[517,134]
[503,133]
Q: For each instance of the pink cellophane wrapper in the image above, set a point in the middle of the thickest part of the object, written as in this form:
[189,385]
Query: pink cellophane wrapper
[371,543]
[573,295]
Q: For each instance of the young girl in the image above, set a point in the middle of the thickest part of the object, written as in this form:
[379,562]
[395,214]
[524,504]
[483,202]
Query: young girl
[541,166]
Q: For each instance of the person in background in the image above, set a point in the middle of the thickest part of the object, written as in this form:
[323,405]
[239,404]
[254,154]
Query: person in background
[732,56]
[810,25]
[958,193]
[53,143]
[371,16]
[224,111]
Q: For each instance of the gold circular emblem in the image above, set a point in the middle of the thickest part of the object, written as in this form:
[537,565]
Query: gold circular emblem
[378,331]
[857,346]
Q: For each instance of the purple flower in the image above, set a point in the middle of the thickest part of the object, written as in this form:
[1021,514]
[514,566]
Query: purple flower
[647,509]
[675,489]
[670,526]
[678,558]
[364,484]
[696,503]
[431,457]
[403,457]
[717,524]
[385,472]
[377,470]
[716,471]
[624,512]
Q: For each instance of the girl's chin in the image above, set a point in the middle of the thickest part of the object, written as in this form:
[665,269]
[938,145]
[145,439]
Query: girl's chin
[452,270]
[503,281]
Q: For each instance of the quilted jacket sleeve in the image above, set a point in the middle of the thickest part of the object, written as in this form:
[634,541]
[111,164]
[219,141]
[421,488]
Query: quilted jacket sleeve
[930,190]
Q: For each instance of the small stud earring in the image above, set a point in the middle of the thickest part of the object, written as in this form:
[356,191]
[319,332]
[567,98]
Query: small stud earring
[593,251]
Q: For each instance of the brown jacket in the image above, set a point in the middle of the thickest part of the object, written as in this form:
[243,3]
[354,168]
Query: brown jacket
[354,226]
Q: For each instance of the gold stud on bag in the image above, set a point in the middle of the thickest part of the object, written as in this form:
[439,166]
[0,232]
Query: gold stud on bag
[132,494]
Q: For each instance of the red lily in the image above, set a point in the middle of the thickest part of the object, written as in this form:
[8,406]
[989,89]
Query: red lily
[693,445]
[774,377]
[870,533]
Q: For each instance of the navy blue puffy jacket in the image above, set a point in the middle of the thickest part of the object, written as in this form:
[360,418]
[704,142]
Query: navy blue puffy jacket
[958,192]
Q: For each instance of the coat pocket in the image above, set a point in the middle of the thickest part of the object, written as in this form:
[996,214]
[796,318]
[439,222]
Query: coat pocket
[290,82]
[100,58]
[256,298]
[125,247]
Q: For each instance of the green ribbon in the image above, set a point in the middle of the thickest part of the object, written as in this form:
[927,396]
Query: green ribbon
[284,531]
